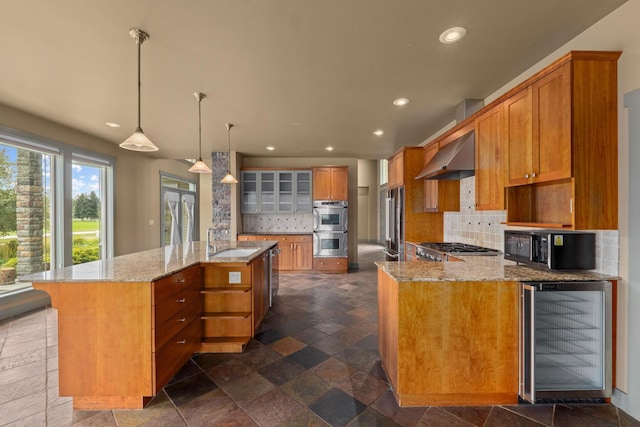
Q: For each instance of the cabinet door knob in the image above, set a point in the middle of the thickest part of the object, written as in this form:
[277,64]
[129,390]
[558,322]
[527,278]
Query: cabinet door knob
[181,342]
[533,175]
[182,319]
[181,300]
[182,280]
[526,175]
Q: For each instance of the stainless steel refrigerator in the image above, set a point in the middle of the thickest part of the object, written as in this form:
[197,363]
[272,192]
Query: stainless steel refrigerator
[394,225]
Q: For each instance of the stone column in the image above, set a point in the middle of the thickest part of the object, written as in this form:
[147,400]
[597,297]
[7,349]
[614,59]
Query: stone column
[29,212]
[220,197]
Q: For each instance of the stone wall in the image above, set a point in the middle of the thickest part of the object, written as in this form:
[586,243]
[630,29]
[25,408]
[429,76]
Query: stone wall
[29,212]
[220,198]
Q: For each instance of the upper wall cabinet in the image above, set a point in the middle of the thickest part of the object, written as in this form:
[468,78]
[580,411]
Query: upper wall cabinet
[562,143]
[330,183]
[269,191]
[258,191]
[294,191]
[395,170]
[490,160]
[539,134]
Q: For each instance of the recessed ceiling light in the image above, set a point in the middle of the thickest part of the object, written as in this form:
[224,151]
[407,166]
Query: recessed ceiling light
[378,132]
[329,148]
[270,147]
[112,125]
[452,35]
[400,102]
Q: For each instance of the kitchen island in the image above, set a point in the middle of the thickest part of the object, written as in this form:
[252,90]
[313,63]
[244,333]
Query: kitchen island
[127,324]
[448,331]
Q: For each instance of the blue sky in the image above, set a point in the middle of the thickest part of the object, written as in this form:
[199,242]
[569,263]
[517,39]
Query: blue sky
[85,179]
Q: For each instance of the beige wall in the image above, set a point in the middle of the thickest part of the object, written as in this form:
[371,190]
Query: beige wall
[368,177]
[137,179]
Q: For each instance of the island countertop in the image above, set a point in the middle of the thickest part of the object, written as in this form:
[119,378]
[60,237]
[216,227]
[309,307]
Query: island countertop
[480,268]
[149,265]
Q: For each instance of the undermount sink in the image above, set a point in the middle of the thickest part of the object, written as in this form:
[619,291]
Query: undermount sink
[235,252]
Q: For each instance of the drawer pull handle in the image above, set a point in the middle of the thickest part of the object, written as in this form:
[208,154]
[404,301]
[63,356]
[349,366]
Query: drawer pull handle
[182,319]
[182,342]
[182,280]
[181,300]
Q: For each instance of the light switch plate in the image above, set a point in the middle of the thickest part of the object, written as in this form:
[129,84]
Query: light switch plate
[235,277]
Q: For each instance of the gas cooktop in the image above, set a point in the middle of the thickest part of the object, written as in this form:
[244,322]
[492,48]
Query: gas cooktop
[459,248]
[438,251]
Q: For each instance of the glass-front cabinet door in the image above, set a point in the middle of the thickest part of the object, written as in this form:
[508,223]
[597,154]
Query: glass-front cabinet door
[267,192]
[276,191]
[303,202]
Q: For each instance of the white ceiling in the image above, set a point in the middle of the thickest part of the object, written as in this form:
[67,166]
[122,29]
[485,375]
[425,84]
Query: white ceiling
[295,74]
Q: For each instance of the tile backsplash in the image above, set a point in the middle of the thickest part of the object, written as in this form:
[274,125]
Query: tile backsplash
[486,228]
[287,223]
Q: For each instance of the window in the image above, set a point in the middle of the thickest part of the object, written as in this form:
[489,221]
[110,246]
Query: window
[40,183]
[384,167]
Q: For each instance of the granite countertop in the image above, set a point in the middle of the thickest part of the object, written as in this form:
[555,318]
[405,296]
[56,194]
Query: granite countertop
[148,265]
[480,268]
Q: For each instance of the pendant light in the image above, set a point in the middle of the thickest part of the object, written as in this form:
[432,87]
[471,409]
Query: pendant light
[138,141]
[228,178]
[199,166]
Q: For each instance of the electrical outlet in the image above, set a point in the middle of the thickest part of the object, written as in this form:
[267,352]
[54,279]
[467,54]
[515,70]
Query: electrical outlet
[235,277]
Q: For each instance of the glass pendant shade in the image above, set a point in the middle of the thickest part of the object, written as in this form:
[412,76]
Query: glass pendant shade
[138,141]
[228,178]
[199,166]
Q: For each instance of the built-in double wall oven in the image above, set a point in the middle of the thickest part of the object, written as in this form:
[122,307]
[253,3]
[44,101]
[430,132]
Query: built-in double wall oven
[330,228]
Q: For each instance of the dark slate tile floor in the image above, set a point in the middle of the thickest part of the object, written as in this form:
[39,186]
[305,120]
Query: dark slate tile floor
[314,363]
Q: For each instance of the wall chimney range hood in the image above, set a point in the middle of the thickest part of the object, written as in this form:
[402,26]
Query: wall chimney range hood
[453,161]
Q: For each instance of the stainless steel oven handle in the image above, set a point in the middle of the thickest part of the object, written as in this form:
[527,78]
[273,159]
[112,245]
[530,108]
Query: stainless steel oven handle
[387,253]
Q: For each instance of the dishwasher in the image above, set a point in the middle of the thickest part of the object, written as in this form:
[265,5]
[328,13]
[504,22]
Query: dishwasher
[565,341]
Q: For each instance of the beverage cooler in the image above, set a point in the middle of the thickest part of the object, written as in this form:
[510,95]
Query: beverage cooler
[565,341]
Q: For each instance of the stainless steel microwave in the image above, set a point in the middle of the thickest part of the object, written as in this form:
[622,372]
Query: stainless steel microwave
[551,249]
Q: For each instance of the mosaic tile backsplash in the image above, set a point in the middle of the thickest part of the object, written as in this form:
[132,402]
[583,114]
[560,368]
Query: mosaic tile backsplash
[485,228]
[287,223]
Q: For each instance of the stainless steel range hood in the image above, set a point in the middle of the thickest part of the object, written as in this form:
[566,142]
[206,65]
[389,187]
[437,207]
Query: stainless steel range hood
[453,161]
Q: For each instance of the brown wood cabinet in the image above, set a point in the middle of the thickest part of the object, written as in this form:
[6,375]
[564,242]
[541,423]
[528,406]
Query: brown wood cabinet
[296,250]
[419,225]
[491,160]
[235,303]
[331,264]
[439,195]
[330,183]
[540,134]
[449,343]
[395,171]
[562,144]
[147,331]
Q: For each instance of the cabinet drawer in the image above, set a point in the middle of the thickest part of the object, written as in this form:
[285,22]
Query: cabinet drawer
[165,287]
[176,302]
[335,265]
[176,322]
[303,239]
[175,353]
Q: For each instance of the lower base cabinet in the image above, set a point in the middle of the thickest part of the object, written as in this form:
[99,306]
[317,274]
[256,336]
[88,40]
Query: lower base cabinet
[331,264]
[449,343]
[236,300]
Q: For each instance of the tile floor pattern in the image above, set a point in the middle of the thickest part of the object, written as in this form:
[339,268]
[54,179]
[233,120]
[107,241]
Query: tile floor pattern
[314,363]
